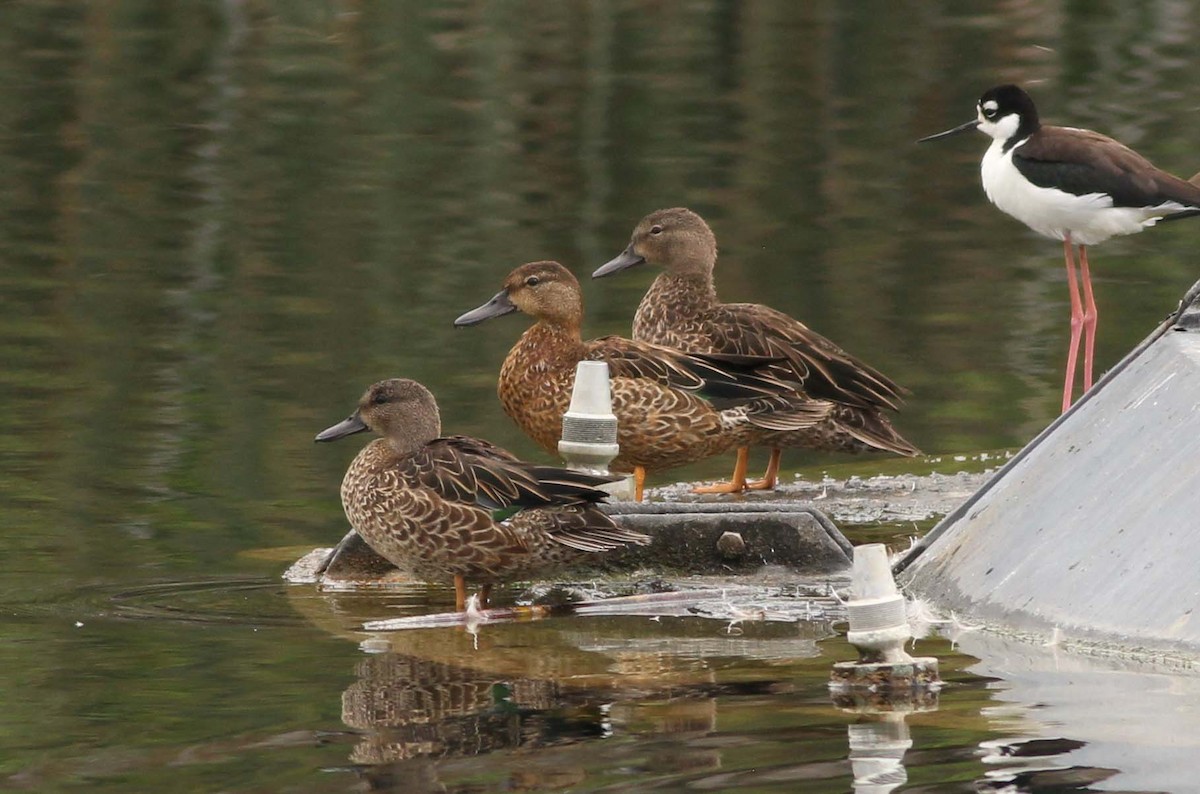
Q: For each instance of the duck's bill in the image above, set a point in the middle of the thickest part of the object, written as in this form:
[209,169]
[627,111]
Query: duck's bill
[622,261]
[970,125]
[347,427]
[496,307]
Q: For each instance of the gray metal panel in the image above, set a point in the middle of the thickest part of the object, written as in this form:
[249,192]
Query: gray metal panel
[1095,527]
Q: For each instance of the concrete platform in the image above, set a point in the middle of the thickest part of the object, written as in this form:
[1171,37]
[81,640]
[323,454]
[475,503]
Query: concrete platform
[730,537]
[1090,533]
[712,538]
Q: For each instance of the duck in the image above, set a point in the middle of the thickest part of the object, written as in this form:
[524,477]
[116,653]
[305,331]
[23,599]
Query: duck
[681,309]
[460,506]
[672,408]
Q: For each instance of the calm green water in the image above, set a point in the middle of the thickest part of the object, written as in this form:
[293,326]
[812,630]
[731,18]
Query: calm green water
[220,221]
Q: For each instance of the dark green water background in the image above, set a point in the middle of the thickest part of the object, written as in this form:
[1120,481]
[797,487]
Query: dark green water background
[219,221]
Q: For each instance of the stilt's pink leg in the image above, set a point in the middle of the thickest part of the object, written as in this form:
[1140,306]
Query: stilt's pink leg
[1076,324]
[1090,316]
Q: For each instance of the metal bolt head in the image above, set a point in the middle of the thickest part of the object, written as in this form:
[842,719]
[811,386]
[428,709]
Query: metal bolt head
[731,545]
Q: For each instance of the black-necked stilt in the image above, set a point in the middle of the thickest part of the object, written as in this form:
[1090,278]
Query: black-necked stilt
[1073,185]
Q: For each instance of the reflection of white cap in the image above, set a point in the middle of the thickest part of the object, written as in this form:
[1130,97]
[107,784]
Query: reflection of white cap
[877,754]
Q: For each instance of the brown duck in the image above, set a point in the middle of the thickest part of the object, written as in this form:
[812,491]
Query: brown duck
[661,397]
[432,506]
[681,309]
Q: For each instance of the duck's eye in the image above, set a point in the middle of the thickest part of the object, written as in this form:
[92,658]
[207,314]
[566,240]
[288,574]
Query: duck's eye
[656,230]
[532,281]
[379,398]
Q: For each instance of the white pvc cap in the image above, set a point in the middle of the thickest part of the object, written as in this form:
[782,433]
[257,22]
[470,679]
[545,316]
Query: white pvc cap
[591,395]
[871,576]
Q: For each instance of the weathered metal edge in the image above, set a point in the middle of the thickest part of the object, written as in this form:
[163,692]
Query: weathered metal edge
[1186,318]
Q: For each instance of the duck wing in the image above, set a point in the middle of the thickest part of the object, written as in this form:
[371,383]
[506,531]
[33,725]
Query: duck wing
[824,370]
[717,377]
[473,471]
[584,528]
[788,413]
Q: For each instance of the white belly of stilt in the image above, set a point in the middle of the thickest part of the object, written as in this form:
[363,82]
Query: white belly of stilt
[1089,219]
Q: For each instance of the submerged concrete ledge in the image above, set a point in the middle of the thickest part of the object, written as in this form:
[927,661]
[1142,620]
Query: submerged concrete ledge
[730,537]
[1090,534]
[711,538]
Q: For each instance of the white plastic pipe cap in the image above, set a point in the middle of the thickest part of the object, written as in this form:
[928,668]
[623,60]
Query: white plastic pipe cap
[591,394]
[876,610]
[589,427]
[871,576]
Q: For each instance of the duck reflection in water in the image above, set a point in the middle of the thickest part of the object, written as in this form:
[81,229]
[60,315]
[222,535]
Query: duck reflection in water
[418,718]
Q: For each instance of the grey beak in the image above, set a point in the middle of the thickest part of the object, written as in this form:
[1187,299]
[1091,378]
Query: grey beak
[623,260]
[497,306]
[970,125]
[347,427]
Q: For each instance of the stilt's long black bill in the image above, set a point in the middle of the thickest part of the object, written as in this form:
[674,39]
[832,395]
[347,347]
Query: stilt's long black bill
[347,427]
[621,261]
[497,306]
[970,125]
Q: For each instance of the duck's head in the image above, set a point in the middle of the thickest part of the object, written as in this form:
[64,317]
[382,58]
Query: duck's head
[676,239]
[544,290]
[401,410]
